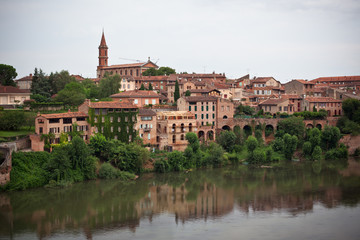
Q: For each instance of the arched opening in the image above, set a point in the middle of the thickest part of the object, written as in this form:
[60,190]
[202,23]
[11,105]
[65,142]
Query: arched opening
[226,127]
[309,125]
[182,128]
[190,127]
[269,130]
[201,135]
[210,135]
[319,126]
[182,137]
[157,139]
[174,139]
[165,130]
[339,112]
[225,117]
[173,128]
[329,113]
[247,131]
[335,112]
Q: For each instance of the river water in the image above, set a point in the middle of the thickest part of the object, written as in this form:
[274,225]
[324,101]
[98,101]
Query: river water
[292,201]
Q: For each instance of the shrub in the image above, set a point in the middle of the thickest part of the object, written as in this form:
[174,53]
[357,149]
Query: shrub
[307,149]
[251,143]
[161,166]
[337,153]
[176,160]
[107,171]
[269,154]
[257,157]
[316,154]
[278,144]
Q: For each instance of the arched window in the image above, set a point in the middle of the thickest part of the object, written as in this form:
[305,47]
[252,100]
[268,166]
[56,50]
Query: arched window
[182,128]
[190,127]
[174,138]
[173,127]
[182,137]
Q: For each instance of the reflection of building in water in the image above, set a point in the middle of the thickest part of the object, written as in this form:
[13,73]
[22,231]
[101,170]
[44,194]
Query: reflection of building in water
[210,201]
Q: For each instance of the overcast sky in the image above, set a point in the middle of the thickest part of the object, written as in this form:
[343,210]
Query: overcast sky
[286,39]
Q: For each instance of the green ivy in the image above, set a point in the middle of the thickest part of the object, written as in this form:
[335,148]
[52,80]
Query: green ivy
[123,135]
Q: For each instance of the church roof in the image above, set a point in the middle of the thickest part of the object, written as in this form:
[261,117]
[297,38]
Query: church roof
[103,42]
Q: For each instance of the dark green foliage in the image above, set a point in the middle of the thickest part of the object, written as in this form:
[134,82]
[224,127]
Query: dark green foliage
[258,136]
[161,166]
[314,109]
[150,87]
[177,91]
[176,160]
[330,137]
[315,137]
[107,171]
[316,154]
[251,144]
[129,157]
[351,109]
[109,85]
[244,110]
[269,153]
[150,72]
[187,93]
[28,170]
[293,126]
[258,156]
[39,98]
[92,91]
[307,149]
[290,144]
[307,115]
[12,120]
[160,72]
[337,153]
[41,84]
[73,94]
[142,87]
[7,75]
[60,80]
[215,155]
[227,140]
[239,135]
[278,144]
[347,126]
[193,141]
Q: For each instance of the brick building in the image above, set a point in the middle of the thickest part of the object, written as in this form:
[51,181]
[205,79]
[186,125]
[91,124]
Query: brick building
[341,82]
[25,82]
[132,69]
[146,126]
[332,106]
[57,124]
[10,95]
[172,128]
[300,87]
[140,98]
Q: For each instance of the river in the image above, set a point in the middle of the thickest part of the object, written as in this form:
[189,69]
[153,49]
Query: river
[291,201]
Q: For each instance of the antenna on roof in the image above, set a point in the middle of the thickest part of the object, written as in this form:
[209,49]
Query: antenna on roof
[127,59]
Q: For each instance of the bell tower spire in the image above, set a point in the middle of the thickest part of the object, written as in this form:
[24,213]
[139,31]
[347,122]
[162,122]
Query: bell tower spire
[103,53]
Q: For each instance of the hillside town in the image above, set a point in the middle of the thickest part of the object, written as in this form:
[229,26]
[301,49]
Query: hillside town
[162,109]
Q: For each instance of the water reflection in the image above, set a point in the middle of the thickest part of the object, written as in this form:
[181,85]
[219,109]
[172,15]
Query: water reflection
[97,206]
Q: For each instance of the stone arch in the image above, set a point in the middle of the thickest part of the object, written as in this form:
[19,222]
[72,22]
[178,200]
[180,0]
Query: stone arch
[182,137]
[226,127]
[225,117]
[269,130]
[319,126]
[190,127]
[173,129]
[247,130]
[174,138]
[201,135]
[237,129]
[182,127]
[210,135]
[309,125]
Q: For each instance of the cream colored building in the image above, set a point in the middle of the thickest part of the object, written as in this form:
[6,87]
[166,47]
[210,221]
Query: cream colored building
[13,96]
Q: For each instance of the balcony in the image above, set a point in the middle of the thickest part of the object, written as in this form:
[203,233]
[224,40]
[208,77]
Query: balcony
[147,129]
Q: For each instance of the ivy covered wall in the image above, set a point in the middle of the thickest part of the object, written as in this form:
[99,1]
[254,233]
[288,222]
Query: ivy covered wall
[122,124]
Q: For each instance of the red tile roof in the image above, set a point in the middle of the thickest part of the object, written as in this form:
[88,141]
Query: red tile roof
[26,78]
[207,90]
[113,104]
[261,79]
[322,99]
[152,78]
[146,112]
[78,77]
[64,115]
[303,81]
[11,89]
[201,99]
[125,65]
[136,93]
[337,79]
[273,101]
[290,96]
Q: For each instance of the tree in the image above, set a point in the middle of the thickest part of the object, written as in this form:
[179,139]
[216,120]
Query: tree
[290,144]
[330,137]
[41,84]
[307,149]
[314,109]
[73,94]
[251,143]
[11,120]
[165,71]
[246,110]
[176,160]
[97,144]
[187,93]
[215,154]
[7,75]
[91,89]
[227,140]
[315,137]
[142,87]
[177,91]
[150,72]
[193,141]
[150,87]
[109,85]
[317,153]
[293,126]
[60,79]
[351,109]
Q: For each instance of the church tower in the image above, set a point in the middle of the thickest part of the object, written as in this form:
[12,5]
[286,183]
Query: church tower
[103,53]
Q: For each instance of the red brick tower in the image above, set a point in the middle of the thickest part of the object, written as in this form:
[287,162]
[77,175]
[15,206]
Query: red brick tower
[103,53]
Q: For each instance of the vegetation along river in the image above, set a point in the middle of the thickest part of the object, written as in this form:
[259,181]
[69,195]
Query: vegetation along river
[292,201]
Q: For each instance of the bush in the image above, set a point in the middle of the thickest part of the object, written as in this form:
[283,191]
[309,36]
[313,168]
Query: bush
[337,153]
[161,166]
[176,160]
[307,149]
[107,171]
[227,140]
[251,143]
[269,154]
[317,154]
[257,157]
[11,120]
[278,144]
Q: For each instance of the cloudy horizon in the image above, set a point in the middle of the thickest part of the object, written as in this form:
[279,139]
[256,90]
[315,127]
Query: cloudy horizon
[287,40]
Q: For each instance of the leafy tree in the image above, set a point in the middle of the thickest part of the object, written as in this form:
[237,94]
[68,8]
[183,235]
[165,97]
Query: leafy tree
[351,109]
[315,137]
[239,135]
[269,153]
[39,98]
[97,144]
[176,160]
[161,166]
[60,79]
[307,149]
[109,85]
[258,156]
[142,87]
[187,93]
[41,84]
[73,94]
[278,144]
[150,87]
[215,155]
[290,144]
[227,140]
[251,144]
[193,141]
[317,153]
[91,89]
[347,126]
[293,126]
[150,72]
[7,75]
[177,91]
[246,110]
[330,137]
[258,135]
[314,109]
[11,120]
[165,71]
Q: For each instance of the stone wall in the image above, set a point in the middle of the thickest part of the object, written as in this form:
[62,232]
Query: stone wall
[352,142]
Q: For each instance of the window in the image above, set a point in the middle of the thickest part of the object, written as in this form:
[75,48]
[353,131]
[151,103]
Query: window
[189,108]
[119,129]
[119,119]
[202,108]
[128,86]
[213,116]
[228,108]
[126,118]
[207,108]
[103,119]
[153,101]
[213,107]
[141,135]
[195,108]
[111,119]
[280,108]
[149,136]
[67,120]
[146,101]
[207,116]
[195,116]
[202,116]
[222,108]
[182,137]
[112,129]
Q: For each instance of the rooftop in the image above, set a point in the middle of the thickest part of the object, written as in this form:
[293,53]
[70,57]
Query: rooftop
[200,99]
[135,93]
[337,79]
[113,104]
[63,115]
[11,89]
[146,112]
[322,99]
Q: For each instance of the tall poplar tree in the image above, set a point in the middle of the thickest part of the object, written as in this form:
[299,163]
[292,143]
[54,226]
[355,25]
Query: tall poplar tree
[177,91]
